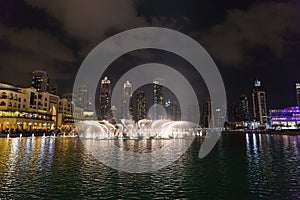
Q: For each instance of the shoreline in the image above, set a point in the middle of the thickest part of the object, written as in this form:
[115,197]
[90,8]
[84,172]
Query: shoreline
[36,134]
[294,132]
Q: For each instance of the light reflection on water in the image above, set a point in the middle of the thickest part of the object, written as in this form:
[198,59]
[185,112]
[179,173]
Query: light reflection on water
[245,166]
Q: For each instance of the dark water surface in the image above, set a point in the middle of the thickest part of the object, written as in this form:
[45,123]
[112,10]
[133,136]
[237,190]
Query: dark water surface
[241,166]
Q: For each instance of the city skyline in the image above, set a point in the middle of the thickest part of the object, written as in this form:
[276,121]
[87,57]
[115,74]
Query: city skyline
[242,111]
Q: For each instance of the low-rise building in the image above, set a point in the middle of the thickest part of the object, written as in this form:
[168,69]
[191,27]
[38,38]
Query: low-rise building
[27,109]
[285,118]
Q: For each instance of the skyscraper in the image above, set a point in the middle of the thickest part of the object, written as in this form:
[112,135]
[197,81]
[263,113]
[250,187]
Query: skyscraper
[105,99]
[234,113]
[244,108]
[158,98]
[140,105]
[126,109]
[220,116]
[82,100]
[40,80]
[259,103]
[207,113]
[298,93]
[158,92]
[172,110]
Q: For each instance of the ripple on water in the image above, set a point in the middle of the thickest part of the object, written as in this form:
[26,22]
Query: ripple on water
[240,166]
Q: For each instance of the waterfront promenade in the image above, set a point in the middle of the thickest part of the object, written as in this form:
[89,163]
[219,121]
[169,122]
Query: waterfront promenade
[5,134]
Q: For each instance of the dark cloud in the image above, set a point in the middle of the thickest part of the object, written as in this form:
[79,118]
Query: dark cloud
[262,24]
[246,38]
[90,20]
[29,49]
[56,35]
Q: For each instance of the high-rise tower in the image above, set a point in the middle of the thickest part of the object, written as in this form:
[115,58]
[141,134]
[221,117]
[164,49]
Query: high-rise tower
[105,99]
[40,80]
[259,103]
[207,113]
[244,108]
[158,99]
[141,105]
[298,93]
[126,109]
[82,99]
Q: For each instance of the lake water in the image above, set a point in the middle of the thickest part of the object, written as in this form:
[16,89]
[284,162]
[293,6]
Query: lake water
[241,166]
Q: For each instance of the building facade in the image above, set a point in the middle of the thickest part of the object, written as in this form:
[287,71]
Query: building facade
[68,113]
[259,103]
[173,111]
[220,116]
[288,117]
[158,93]
[158,99]
[244,108]
[27,108]
[40,81]
[126,108]
[105,99]
[141,111]
[82,98]
[207,113]
[298,94]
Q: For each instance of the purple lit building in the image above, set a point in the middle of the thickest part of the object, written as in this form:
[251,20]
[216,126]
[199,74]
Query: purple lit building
[289,117]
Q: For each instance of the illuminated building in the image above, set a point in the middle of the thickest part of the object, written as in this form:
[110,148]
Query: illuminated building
[141,105]
[27,108]
[220,117]
[114,114]
[172,110]
[240,112]
[158,98]
[82,97]
[126,109]
[207,113]
[105,99]
[259,103]
[65,117]
[40,81]
[244,108]
[288,117]
[298,93]
[68,113]
[158,92]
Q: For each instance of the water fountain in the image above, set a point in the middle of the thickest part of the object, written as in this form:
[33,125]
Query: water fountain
[143,129]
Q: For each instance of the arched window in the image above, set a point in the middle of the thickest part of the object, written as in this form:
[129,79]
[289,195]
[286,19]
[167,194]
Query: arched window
[2,103]
[3,95]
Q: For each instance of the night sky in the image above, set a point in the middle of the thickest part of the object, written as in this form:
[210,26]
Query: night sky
[247,39]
